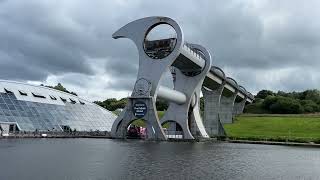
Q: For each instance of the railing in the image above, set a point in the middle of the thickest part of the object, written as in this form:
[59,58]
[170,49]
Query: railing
[38,134]
[173,134]
[194,53]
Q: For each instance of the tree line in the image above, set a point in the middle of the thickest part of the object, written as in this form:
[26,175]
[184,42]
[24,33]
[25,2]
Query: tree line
[113,104]
[266,101]
[280,102]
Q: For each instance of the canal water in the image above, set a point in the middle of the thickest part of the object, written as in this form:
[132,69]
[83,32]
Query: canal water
[100,159]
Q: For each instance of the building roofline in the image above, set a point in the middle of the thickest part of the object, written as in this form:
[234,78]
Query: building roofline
[38,86]
[51,89]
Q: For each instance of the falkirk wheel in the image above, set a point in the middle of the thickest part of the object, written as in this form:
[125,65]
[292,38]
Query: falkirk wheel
[193,73]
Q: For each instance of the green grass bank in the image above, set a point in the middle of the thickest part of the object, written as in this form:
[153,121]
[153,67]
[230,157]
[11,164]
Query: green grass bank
[292,128]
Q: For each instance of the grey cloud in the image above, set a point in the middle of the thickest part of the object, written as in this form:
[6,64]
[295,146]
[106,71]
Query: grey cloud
[121,84]
[71,40]
[122,67]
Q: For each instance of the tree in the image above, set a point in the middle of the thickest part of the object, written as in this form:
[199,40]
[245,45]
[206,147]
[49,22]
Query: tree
[286,102]
[309,106]
[264,93]
[282,93]
[112,103]
[286,105]
[255,108]
[313,95]
[269,100]
[60,87]
[162,105]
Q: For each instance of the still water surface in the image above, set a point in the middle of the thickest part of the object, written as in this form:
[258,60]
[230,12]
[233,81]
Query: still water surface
[100,159]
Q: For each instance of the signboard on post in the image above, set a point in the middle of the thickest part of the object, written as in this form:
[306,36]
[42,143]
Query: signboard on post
[139,109]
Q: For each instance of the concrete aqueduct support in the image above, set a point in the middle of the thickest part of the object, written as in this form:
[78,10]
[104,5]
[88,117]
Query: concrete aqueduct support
[227,103]
[212,98]
[239,105]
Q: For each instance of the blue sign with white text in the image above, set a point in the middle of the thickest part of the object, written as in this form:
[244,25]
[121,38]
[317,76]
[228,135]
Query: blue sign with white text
[139,109]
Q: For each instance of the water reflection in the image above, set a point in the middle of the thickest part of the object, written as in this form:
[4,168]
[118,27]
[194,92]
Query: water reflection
[113,159]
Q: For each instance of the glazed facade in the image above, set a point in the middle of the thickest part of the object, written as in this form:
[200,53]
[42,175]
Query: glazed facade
[37,108]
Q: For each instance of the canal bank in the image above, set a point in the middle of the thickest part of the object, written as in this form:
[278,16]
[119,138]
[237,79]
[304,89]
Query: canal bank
[56,134]
[275,143]
[105,135]
[215,140]
[171,140]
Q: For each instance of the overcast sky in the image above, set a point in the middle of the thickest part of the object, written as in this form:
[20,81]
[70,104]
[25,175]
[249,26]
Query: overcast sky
[262,44]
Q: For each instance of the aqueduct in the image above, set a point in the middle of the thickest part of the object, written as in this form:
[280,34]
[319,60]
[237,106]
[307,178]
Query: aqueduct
[193,73]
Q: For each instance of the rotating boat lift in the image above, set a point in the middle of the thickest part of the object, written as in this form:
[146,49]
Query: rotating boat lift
[191,66]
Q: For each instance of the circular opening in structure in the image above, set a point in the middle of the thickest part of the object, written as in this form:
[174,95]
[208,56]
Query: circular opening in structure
[160,41]
[137,129]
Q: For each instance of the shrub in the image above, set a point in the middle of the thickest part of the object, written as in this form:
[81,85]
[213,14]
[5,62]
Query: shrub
[255,108]
[285,105]
[269,101]
[309,106]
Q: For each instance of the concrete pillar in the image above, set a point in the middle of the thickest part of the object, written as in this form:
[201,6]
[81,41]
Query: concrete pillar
[211,118]
[239,106]
[226,108]
[154,129]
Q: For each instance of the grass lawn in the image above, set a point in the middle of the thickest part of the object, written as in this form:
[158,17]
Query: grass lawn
[297,128]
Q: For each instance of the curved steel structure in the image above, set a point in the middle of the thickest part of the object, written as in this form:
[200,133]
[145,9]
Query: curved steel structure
[190,85]
[193,72]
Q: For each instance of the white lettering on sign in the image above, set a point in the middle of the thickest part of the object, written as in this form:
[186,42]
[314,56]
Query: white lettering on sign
[139,109]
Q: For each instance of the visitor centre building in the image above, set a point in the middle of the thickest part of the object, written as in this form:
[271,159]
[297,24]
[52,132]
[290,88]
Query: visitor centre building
[25,107]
